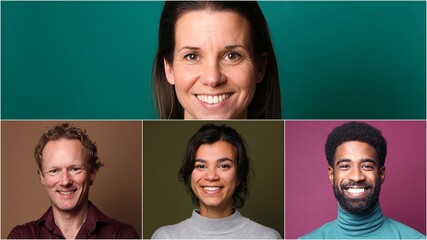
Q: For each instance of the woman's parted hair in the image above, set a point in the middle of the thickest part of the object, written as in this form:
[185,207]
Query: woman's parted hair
[210,134]
[266,101]
[68,131]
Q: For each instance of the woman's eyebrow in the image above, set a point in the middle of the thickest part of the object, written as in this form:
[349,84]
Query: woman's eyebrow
[200,160]
[224,159]
[235,46]
[188,48]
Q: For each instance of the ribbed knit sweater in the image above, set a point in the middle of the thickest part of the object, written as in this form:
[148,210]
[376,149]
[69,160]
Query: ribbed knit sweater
[233,227]
[370,225]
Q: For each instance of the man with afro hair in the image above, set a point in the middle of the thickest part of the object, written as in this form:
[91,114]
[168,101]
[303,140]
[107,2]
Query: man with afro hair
[356,154]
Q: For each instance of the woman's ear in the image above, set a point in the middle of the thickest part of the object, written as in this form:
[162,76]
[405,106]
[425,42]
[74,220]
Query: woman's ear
[169,72]
[261,67]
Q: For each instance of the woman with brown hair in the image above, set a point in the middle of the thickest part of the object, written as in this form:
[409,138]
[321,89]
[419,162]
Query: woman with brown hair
[215,60]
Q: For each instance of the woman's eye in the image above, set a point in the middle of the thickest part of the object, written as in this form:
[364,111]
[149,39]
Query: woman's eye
[191,57]
[233,56]
[224,166]
[199,166]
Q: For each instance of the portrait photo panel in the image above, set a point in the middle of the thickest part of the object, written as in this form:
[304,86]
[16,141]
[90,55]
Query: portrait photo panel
[310,200]
[116,190]
[106,51]
[166,201]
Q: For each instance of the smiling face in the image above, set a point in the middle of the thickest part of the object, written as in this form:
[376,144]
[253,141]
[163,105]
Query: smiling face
[214,179]
[356,176]
[64,175]
[213,69]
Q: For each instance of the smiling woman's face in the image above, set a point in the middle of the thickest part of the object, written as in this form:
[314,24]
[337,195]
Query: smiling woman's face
[213,69]
[214,179]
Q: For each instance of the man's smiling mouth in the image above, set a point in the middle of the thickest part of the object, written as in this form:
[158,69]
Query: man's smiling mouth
[355,190]
[66,192]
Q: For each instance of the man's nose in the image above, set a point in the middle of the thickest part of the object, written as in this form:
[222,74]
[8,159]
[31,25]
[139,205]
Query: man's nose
[65,178]
[356,175]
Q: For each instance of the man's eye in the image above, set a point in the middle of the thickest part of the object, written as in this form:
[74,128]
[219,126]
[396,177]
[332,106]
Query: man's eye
[53,171]
[367,167]
[75,169]
[344,167]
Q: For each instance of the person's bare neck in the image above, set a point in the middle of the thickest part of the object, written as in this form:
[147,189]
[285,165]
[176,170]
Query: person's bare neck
[70,222]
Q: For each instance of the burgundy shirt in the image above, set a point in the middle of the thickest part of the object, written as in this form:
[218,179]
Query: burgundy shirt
[97,225]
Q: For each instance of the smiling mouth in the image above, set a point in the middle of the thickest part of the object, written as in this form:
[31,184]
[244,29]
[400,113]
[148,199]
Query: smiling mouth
[66,192]
[355,190]
[213,99]
[211,190]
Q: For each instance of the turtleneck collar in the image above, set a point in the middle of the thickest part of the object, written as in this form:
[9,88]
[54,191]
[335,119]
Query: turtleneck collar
[217,226]
[359,225]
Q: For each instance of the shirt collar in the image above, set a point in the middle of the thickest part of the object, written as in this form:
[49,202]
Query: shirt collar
[94,217]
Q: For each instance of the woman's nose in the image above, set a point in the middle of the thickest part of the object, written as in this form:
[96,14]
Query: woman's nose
[212,75]
[211,175]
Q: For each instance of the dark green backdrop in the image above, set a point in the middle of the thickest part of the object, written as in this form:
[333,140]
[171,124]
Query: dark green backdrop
[165,198]
[86,60]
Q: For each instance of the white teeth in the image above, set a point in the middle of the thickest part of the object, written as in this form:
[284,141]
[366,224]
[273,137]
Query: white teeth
[356,190]
[209,99]
[66,193]
[211,188]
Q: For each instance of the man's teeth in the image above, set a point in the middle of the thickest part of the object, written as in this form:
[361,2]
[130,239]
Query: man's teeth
[355,190]
[209,99]
[66,193]
[211,188]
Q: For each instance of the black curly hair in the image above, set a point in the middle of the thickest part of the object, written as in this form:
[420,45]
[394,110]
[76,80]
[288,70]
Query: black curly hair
[356,131]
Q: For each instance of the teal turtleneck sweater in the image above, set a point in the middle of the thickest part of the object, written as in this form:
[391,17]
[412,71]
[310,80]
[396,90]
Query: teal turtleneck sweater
[370,225]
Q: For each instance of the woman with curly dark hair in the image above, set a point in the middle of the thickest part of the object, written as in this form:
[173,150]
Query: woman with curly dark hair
[215,172]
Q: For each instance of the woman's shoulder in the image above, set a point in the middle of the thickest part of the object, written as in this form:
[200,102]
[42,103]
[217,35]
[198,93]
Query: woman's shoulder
[261,231]
[171,231]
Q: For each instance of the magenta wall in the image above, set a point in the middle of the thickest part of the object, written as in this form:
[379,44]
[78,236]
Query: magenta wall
[310,201]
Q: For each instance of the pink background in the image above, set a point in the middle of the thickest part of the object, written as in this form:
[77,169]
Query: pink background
[310,201]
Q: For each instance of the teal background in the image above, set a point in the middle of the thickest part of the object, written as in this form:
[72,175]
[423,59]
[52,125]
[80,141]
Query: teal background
[93,60]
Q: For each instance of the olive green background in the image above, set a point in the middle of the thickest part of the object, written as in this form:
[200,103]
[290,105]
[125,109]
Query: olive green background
[166,201]
[93,60]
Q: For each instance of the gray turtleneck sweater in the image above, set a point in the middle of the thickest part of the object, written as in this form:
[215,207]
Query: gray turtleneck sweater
[233,227]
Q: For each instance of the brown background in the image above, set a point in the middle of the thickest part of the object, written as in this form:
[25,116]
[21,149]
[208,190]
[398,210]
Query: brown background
[117,188]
